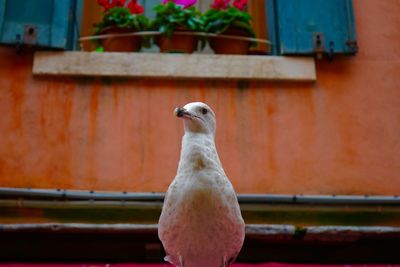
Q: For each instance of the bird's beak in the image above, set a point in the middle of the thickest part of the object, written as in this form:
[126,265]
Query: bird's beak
[182,113]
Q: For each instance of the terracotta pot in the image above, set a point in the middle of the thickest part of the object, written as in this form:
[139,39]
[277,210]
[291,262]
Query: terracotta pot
[177,43]
[120,44]
[230,46]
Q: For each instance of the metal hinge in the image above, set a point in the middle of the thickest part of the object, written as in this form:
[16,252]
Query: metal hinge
[30,34]
[319,46]
[353,45]
[29,37]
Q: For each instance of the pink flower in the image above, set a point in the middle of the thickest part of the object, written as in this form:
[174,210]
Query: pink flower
[240,4]
[220,4]
[184,3]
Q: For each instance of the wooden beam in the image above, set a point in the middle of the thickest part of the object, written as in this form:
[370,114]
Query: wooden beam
[117,212]
[175,66]
[323,234]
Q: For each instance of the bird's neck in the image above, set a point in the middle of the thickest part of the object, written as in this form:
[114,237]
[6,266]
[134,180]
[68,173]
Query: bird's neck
[198,152]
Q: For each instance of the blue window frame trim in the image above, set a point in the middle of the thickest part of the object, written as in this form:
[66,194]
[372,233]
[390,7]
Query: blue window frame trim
[273,33]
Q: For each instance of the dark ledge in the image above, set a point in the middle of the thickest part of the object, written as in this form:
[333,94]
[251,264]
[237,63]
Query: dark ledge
[139,243]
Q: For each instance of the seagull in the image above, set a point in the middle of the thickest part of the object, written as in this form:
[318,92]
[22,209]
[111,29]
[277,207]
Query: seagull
[200,224]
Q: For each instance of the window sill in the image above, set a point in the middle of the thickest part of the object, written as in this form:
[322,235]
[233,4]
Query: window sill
[175,66]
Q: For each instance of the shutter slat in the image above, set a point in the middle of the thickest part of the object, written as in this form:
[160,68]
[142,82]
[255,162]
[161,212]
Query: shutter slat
[59,25]
[2,11]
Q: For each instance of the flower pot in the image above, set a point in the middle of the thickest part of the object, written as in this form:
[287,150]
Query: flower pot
[177,43]
[120,44]
[222,45]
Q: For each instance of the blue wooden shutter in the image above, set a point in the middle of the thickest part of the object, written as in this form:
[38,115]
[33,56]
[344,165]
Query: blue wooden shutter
[43,23]
[304,27]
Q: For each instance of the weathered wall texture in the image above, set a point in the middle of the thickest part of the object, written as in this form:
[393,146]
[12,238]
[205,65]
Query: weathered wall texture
[340,135]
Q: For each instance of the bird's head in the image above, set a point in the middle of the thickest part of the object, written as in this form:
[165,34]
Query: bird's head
[198,118]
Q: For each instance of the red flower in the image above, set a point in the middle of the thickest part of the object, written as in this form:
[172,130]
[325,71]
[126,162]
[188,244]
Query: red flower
[119,3]
[135,8]
[240,4]
[104,3]
[107,4]
[133,5]
[220,4]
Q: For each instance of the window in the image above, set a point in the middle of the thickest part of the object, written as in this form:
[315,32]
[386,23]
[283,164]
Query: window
[295,27]
[300,27]
[92,13]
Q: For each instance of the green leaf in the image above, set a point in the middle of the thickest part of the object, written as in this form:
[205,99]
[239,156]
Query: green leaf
[122,18]
[170,17]
[217,21]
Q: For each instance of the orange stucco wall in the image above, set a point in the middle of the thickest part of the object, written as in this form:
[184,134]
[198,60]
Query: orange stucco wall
[340,135]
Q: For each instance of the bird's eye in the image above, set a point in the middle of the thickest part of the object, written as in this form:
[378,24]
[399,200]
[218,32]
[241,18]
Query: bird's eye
[204,111]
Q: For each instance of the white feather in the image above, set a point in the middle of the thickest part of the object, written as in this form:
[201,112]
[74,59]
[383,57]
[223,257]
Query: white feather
[201,223]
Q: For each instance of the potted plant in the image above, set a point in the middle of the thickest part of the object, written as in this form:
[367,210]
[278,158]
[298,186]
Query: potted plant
[233,20]
[176,20]
[119,18]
